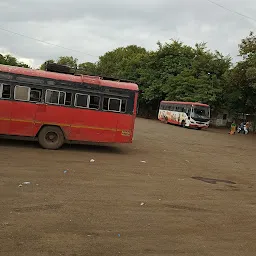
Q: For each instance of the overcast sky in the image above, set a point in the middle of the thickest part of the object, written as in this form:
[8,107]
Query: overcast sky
[96,26]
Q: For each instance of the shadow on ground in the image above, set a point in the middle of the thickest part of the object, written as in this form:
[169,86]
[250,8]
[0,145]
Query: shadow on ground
[87,147]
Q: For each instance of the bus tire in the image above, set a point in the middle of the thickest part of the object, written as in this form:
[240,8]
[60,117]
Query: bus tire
[51,137]
[183,124]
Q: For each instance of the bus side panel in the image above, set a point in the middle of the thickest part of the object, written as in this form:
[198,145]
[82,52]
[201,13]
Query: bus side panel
[161,115]
[126,123]
[171,121]
[79,124]
[135,104]
[53,115]
[96,126]
[125,128]
[100,126]
[175,117]
[22,118]
[5,116]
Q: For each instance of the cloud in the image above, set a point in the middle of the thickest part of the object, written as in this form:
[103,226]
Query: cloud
[93,27]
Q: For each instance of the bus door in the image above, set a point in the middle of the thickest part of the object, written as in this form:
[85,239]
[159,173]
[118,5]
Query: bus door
[40,117]
[189,110]
[192,111]
[23,110]
[5,108]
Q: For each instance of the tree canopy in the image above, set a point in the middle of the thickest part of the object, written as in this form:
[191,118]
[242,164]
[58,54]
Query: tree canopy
[241,89]
[11,61]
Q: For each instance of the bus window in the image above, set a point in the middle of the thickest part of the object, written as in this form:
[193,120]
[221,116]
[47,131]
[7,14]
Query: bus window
[81,100]
[123,106]
[52,97]
[35,95]
[5,91]
[62,97]
[187,110]
[21,93]
[55,97]
[94,102]
[113,104]
[68,99]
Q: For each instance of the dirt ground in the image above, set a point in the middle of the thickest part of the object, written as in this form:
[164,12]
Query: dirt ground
[119,205]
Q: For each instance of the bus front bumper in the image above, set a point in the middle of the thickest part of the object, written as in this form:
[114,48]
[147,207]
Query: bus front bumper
[201,126]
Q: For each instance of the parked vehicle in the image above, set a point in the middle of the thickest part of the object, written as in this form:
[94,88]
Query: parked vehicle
[185,114]
[55,108]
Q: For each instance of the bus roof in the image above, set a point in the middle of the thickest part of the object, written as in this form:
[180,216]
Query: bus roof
[97,80]
[185,103]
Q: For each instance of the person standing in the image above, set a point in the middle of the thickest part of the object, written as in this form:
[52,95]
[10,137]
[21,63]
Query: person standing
[233,128]
[247,127]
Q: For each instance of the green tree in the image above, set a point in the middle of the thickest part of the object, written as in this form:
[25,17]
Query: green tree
[11,61]
[63,60]
[179,72]
[241,90]
[68,61]
[247,48]
[174,71]
[88,68]
[122,62]
[42,67]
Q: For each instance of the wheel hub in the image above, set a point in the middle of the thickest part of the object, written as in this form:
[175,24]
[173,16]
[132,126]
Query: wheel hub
[51,137]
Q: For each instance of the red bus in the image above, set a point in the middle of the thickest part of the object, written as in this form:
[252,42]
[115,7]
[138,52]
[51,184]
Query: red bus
[186,114]
[55,108]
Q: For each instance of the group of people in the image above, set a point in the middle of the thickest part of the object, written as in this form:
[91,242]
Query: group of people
[242,128]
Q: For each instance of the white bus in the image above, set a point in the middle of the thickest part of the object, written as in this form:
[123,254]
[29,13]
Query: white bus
[185,114]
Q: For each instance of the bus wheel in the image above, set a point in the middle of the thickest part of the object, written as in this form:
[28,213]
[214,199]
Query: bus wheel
[183,124]
[51,137]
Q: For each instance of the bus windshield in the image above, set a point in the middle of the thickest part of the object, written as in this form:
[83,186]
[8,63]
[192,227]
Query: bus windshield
[201,112]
